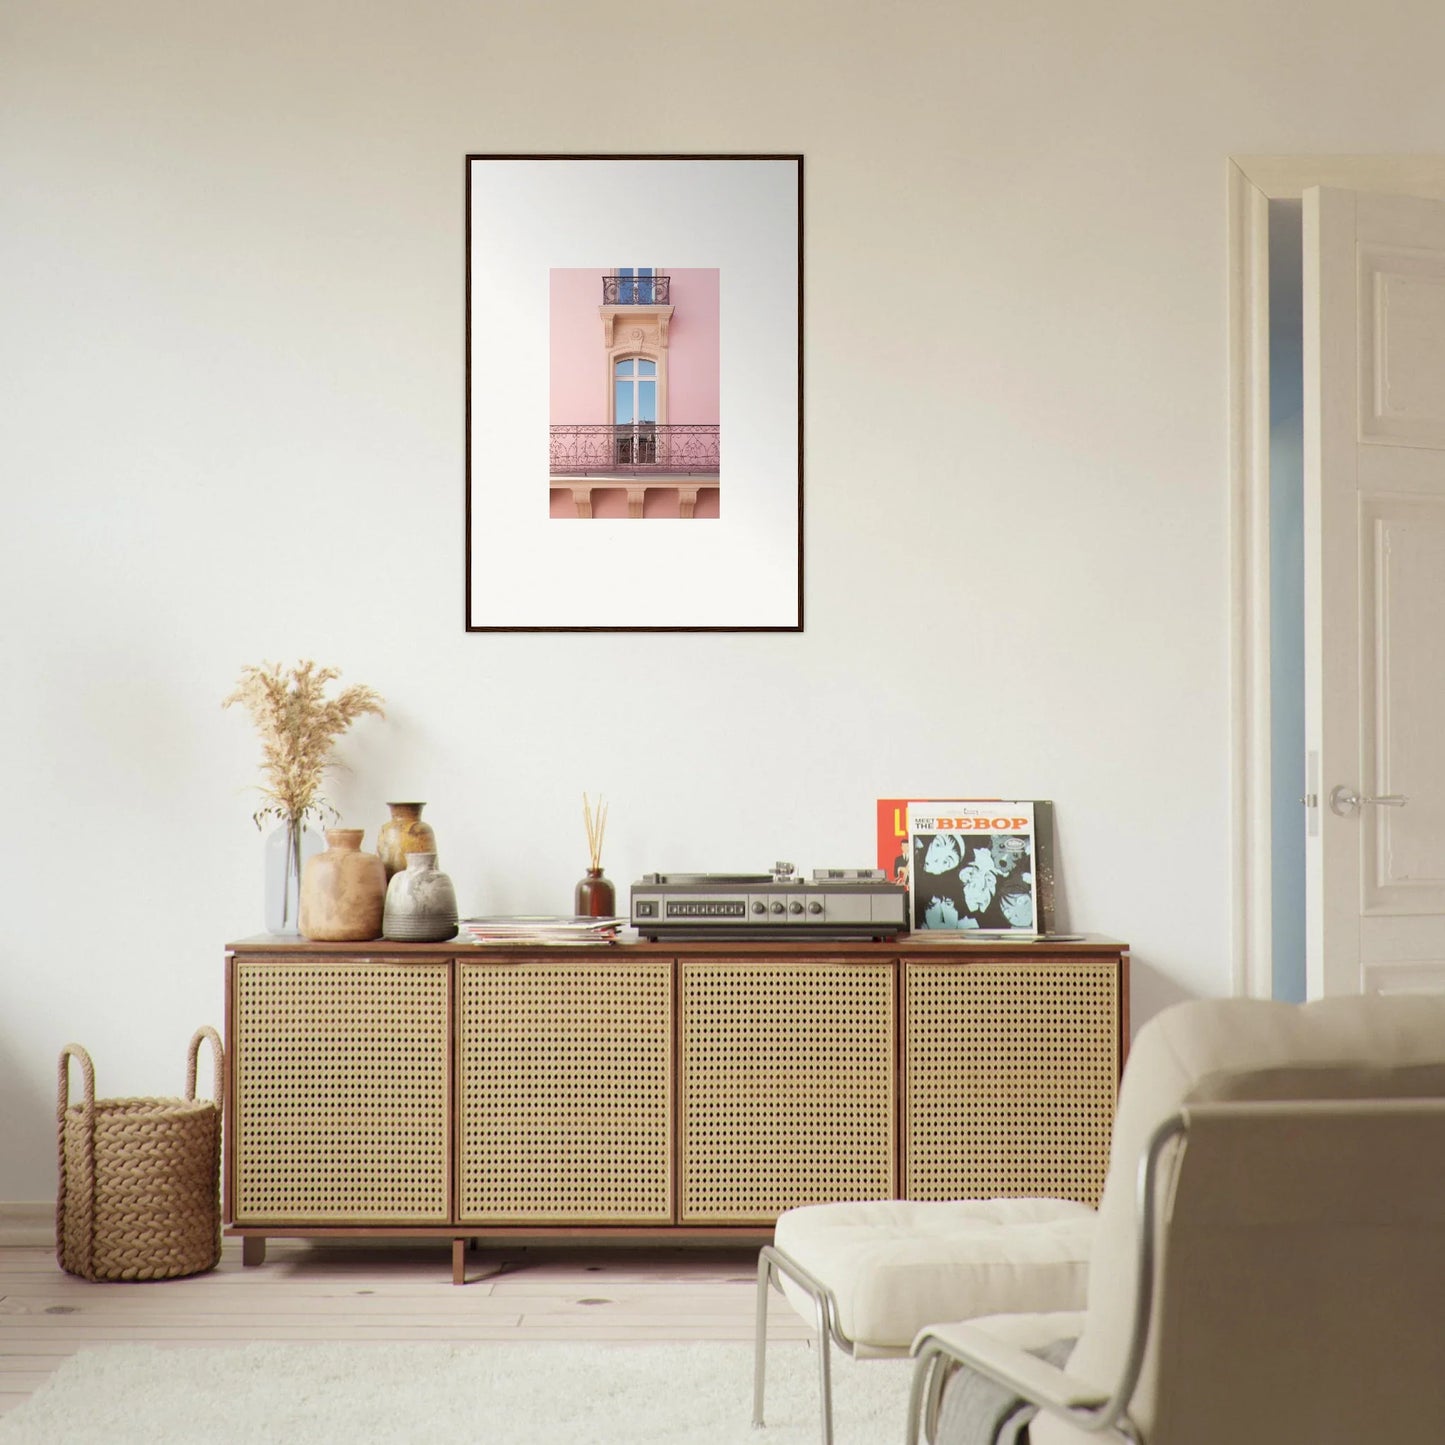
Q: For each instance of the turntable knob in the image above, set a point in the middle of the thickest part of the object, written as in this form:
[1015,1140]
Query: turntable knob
[777,907]
[815,907]
[795,907]
[759,906]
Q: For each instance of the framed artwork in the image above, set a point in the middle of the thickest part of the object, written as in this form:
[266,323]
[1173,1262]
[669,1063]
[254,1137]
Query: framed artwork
[634,393]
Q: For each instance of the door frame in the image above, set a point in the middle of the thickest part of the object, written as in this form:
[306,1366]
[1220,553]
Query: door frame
[1253,182]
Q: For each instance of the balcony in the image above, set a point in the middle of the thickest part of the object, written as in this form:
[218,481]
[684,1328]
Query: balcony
[636,290]
[637,449]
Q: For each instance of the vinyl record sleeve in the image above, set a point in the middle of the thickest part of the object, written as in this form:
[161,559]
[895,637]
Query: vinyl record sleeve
[903,863]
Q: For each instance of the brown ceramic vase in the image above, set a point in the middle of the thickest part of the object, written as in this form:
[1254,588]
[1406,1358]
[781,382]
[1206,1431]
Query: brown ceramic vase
[403,833]
[594,896]
[343,891]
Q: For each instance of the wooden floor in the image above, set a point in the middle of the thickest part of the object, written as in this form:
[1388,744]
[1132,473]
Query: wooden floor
[376,1293]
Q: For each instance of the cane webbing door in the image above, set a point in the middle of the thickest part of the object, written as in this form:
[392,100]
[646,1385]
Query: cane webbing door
[787,1086]
[1010,1074]
[564,1076]
[341,1093]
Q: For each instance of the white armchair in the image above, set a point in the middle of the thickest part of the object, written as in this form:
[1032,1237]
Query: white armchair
[1269,1262]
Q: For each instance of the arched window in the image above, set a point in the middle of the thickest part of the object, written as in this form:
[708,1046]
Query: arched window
[634,390]
[634,410]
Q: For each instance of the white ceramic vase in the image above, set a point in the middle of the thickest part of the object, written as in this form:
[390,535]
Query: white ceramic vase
[421,904]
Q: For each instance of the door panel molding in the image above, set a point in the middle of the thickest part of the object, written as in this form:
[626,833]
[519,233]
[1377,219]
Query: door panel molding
[1402,558]
[1418,976]
[1402,305]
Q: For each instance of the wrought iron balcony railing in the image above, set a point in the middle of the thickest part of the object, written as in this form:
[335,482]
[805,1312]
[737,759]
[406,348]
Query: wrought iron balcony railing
[688,449]
[636,290]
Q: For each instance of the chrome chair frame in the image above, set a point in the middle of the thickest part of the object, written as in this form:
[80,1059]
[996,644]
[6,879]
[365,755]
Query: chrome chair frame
[1106,1416]
[773,1262]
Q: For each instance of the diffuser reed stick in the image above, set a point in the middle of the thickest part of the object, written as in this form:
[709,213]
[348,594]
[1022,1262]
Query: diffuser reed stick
[595,820]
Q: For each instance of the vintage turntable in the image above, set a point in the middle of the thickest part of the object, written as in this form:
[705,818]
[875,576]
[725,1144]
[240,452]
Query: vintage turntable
[834,903]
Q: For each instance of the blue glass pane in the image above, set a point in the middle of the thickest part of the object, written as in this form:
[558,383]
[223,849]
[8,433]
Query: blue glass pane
[624,402]
[623,368]
[646,368]
[644,270]
[647,401]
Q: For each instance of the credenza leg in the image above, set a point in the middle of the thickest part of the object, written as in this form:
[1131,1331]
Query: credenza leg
[253,1249]
[459,1261]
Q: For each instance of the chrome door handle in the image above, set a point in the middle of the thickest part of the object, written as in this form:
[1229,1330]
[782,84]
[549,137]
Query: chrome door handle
[1344,801]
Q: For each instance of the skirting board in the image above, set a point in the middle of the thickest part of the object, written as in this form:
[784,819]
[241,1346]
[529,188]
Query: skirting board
[30,1223]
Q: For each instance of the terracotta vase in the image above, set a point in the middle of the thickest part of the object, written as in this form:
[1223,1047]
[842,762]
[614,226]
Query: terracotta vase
[403,833]
[421,904]
[342,890]
[595,897]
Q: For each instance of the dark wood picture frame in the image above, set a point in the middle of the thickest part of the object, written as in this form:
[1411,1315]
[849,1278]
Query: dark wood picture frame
[489,511]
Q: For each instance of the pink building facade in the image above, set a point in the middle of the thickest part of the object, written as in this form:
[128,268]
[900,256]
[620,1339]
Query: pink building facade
[634,404]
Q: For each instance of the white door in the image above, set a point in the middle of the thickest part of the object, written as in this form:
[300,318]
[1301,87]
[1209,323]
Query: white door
[1374,411]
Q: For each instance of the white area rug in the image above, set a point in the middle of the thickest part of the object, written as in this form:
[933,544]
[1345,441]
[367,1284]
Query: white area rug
[481,1394]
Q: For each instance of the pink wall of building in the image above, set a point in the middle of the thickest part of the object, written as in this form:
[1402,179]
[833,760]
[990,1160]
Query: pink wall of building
[692,343]
[578,374]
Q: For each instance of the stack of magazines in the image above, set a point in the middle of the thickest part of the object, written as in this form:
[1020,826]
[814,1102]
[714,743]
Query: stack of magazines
[530,929]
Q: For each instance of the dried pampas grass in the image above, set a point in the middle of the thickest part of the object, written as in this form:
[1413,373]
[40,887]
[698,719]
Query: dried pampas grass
[299,726]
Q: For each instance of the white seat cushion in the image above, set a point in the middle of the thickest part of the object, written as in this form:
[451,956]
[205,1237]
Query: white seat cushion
[897,1265]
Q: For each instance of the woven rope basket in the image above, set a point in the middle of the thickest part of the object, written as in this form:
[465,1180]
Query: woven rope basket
[139,1194]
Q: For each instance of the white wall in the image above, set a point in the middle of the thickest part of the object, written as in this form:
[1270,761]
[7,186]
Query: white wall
[231,288]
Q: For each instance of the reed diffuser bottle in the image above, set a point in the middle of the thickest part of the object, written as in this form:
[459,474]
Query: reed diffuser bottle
[595,896]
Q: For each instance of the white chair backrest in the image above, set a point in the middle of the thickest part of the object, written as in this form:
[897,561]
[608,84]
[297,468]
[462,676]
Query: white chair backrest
[1301,1277]
[1210,1051]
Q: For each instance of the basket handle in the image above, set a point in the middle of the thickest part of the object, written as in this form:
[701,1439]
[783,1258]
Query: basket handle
[87,1073]
[192,1058]
[75,1236]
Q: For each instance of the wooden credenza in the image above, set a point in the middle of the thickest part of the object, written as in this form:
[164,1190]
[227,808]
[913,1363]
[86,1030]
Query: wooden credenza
[686,1091]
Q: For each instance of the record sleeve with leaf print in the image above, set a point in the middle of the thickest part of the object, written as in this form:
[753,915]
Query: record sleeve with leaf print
[981,864]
